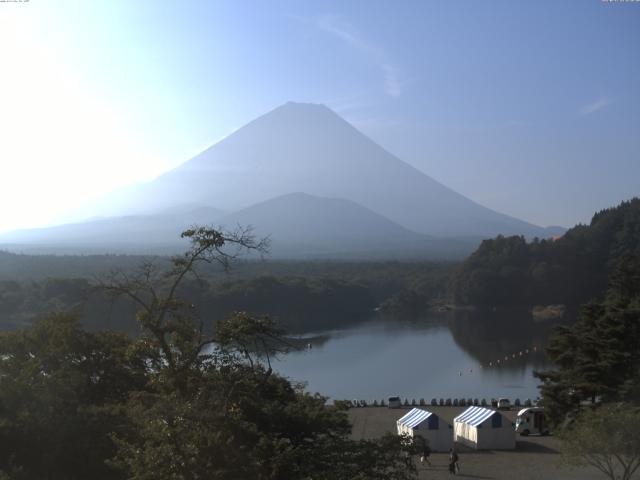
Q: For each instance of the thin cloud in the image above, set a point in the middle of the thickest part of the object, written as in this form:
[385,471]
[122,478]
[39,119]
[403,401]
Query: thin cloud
[594,106]
[344,31]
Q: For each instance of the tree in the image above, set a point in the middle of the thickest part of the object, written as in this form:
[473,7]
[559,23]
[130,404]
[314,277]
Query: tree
[607,438]
[60,394]
[570,270]
[180,401]
[172,334]
[213,408]
[597,358]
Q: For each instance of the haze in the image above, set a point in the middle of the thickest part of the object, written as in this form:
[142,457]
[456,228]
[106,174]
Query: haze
[521,108]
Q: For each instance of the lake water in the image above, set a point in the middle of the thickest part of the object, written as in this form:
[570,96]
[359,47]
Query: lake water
[449,356]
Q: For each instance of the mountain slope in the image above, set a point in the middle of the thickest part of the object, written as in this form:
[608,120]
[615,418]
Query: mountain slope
[308,148]
[299,226]
[158,233]
[303,226]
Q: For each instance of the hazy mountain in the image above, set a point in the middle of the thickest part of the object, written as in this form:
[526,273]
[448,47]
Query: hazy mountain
[159,233]
[305,226]
[299,226]
[359,200]
[308,148]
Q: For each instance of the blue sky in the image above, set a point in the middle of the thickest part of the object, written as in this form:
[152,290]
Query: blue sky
[529,108]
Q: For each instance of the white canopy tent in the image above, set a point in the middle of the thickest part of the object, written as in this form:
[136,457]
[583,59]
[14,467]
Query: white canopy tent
[429,426]
[484,429]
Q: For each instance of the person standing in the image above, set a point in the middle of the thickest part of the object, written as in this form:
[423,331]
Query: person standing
[453,462]
[454,459]
[426,451]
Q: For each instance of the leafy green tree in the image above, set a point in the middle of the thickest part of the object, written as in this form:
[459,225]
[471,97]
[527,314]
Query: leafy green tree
[215,408]
[607,438]
[179,401]
[570,270]
[60,391]
[598,358]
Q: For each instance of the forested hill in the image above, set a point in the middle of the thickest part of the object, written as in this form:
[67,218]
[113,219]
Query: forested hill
[572,269]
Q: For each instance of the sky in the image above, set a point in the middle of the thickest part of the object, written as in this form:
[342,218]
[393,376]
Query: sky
[529,108]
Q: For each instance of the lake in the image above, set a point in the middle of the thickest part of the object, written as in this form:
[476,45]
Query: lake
[448,356]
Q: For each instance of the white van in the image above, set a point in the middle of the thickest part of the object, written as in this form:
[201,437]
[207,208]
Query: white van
[531,420]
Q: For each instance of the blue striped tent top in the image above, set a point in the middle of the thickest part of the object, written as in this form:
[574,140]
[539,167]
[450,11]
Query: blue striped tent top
[474,416]
[414,417]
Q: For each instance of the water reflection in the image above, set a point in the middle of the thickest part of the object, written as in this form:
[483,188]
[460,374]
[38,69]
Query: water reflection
[509,339]
[443,355]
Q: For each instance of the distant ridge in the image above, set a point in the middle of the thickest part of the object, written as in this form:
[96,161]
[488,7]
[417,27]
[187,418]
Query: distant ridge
[159,233]
[302,225]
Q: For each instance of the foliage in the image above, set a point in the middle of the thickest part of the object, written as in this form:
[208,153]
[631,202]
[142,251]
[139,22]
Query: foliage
[178,401]
[60,388]
[298,303]
[598,358]
[607,438]
[508,271]
[302,296]
[420,293]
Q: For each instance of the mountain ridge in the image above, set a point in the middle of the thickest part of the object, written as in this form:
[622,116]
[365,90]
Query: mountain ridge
[299,225]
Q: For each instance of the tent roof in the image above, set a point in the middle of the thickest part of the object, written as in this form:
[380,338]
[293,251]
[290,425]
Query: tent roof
[414,417]
[474,416]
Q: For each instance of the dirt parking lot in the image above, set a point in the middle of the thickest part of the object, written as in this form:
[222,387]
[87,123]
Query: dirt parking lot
[535,458]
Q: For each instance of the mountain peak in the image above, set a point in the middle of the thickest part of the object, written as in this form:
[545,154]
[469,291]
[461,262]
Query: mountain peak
[292,104]
[307,147]
[309,106]
[300,114]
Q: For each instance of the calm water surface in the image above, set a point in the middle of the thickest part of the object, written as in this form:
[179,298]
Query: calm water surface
[433,358]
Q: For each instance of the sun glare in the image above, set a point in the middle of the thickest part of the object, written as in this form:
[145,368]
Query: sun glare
[62,141]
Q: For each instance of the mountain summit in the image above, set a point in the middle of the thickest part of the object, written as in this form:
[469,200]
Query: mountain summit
[354,200]
[300,147]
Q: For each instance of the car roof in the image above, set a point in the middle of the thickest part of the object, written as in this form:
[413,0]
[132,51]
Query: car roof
[530,409]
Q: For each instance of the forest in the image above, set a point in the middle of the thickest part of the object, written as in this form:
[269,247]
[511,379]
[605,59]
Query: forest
[175,402]
[570,270]
[302,296]
[309,296]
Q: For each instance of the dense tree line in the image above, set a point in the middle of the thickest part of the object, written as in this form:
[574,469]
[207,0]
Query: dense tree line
[301,296]
[379,276]
[597,359]
[175,402]
[572,269]
[297,303]
[592,393]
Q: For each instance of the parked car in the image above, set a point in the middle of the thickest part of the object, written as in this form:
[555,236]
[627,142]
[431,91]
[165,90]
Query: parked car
[395,402]
[503,404]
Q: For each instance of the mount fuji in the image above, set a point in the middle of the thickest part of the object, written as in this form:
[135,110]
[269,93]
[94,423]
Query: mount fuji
[300,161]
